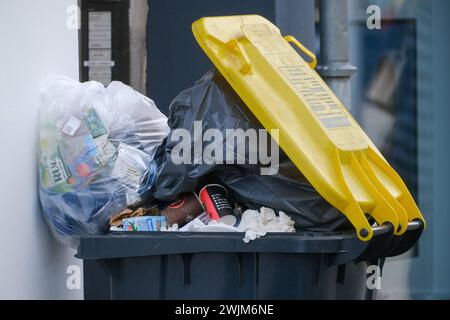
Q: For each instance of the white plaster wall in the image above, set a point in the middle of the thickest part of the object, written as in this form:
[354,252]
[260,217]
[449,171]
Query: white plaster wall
[35,41]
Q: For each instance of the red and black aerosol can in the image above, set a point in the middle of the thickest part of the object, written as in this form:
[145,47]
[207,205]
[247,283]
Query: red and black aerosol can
[216,202]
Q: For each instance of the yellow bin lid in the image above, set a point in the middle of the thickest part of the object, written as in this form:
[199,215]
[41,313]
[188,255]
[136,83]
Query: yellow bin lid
[316,131]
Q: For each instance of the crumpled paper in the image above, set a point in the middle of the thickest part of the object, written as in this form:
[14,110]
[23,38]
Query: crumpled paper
[254,223]
[257,224]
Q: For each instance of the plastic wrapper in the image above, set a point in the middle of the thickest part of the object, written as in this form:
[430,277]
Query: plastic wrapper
[212,101]
[96,150]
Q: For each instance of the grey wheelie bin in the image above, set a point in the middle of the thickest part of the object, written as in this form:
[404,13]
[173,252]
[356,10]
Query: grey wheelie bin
[175,265]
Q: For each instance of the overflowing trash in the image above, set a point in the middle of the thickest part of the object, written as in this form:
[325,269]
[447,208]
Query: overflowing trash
[105,165]
[214,103]
[210,212]
[96,150]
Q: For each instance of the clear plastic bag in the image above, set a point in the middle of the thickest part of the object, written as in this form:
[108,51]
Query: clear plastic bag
[96,149]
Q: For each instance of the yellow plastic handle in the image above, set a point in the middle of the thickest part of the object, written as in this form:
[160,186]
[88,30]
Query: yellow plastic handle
[234,47]
[305,50]
[246,66]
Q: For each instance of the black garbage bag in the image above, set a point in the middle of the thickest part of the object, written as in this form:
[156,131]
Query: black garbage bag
[213,101]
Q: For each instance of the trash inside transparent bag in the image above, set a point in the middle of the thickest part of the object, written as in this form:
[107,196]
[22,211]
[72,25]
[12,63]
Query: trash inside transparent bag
[96,149]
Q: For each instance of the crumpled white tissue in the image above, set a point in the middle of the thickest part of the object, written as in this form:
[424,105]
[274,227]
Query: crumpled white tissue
[256,224]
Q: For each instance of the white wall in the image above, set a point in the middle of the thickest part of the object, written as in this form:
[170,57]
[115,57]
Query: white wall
[34,42]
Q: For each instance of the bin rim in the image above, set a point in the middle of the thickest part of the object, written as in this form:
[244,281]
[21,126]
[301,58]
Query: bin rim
[341,247]
[139,244]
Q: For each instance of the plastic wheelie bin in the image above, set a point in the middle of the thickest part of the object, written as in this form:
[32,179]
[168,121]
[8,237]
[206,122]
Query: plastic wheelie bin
[173,265]
[324,142]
